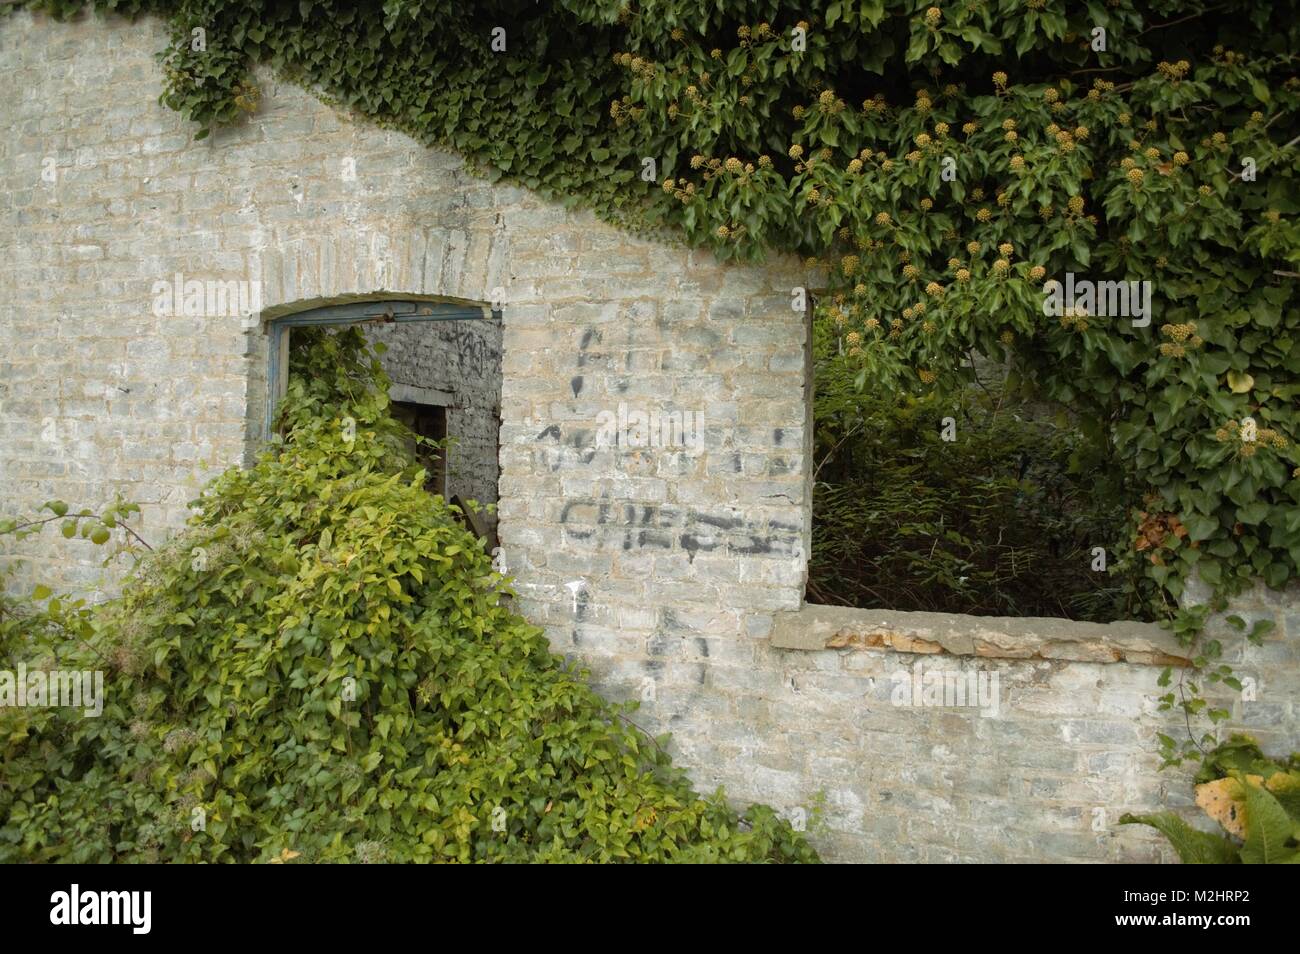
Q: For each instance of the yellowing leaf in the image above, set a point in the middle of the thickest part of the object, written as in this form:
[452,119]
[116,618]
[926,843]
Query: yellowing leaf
[1223,800]
[1240,382]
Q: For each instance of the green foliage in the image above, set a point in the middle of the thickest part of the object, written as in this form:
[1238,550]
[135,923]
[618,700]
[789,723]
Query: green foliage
[325,666]
[1001,521]
[1263,793]
[828,131]
[1194,847]
[1241,754]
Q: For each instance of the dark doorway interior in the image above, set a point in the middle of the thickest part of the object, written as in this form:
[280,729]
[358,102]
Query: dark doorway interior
[428,421]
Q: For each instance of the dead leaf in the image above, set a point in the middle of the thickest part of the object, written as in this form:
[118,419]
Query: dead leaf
[1224,801]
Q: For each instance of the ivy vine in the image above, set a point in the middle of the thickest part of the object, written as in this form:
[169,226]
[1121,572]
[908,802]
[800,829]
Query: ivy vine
[325,666]
[943,164]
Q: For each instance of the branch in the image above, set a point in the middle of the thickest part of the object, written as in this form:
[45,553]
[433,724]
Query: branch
[139,539]
[642,731]
[1190,16]
[35,523]
[1237,175]
[1187,717]
[79,516]
[831,453]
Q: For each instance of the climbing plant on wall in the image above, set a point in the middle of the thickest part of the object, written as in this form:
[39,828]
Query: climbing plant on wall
[955,172]
[324,665]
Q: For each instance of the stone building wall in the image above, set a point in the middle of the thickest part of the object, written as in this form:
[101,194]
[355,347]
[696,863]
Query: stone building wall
[462,359]
[673,569]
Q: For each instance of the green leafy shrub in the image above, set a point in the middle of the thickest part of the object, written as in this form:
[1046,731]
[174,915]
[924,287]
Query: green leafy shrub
[326,666]
[1255,799]
[1001,521]
[940,163]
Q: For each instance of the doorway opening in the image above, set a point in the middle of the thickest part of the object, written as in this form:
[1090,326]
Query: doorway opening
[430,422]
[444,363]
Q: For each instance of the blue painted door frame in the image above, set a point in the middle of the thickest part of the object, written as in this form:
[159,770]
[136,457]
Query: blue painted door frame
[353,313]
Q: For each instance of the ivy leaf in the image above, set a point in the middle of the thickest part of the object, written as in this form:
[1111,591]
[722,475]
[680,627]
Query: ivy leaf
[1253,513]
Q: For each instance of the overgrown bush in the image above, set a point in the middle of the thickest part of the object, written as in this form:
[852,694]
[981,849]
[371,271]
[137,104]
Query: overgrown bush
[942,164]
[1005,518]
[325,666]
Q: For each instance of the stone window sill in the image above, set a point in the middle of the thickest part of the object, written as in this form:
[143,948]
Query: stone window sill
[815,627]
